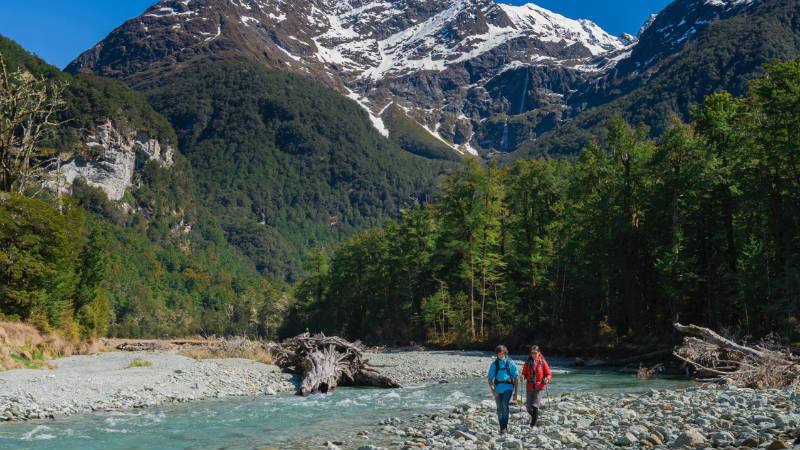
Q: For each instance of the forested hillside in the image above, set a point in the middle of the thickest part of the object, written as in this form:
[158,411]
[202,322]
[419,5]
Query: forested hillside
[699,225]
[285,163]
[156,263]
[726,56]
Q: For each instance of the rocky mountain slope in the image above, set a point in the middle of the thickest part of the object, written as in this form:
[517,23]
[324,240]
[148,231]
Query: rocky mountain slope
[447,65]
[724,54]
[662,39]
[476,75]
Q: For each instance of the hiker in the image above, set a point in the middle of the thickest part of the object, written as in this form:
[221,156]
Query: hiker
[503,376]
[537,373]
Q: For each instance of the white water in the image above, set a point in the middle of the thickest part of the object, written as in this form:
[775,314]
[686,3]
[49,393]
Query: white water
[504,143]
[524,91]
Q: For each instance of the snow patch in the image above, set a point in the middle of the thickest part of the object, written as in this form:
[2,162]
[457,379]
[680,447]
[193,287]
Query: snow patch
[377,122]
[169,12]
[277,19]
[247,19]
[728,3]
[219,32]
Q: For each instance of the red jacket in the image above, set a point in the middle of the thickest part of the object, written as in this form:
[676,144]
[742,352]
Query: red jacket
[537,371]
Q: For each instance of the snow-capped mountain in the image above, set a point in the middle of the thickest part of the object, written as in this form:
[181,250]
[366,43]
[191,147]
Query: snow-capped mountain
[455,67]
[447,64]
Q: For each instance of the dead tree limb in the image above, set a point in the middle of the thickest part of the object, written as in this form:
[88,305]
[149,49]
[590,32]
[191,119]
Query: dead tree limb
[719,359]
[715,338]
[700,367]
[326,362]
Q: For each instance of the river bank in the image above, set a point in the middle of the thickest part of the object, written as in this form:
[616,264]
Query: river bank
[700,416]
[697,417]
[123,380]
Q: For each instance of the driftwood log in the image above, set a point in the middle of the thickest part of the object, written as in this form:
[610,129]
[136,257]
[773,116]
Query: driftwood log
[717,359]
[326,362]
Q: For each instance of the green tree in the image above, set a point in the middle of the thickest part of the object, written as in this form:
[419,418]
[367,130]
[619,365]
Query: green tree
[536,201]
[461,207]
[39,256]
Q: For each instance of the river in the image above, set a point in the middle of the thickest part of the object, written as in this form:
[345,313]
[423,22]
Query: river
[283,422]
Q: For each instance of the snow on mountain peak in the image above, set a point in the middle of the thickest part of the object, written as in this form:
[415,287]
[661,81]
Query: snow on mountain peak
[447,56]
[727,3]
[464,30]
[547,25]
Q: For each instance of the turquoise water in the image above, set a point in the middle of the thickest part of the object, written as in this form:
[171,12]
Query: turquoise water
[285,422]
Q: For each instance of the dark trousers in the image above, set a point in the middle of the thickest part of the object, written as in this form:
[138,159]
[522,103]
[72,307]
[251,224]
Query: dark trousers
[502,401]
[533,399]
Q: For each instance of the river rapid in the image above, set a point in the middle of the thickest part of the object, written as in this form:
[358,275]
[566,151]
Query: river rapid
[349,416]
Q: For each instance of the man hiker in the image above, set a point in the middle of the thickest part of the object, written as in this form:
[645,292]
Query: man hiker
[503,376]
[537,372]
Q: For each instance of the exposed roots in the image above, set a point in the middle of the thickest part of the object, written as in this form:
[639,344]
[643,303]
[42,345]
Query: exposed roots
[326,362]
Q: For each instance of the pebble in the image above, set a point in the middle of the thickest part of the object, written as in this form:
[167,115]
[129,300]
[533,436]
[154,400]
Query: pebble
[105,382]
[705,415]
[690,418]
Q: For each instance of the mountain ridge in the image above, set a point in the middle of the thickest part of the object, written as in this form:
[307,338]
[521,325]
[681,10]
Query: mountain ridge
[433,59]
[479,77]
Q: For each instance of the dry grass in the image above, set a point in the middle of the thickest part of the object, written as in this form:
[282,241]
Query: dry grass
[24,346]
[236,347]
[139,363]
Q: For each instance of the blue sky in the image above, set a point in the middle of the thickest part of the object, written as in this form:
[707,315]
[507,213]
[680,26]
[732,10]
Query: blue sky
[58,30]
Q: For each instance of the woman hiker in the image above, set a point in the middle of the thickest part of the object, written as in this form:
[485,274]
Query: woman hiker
[503,376]
[537,372]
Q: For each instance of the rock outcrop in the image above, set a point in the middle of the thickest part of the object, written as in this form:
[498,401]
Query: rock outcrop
[117,150]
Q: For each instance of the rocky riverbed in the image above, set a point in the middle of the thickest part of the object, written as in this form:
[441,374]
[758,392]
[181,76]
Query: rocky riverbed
[416,367]
[698,417]
[111,381]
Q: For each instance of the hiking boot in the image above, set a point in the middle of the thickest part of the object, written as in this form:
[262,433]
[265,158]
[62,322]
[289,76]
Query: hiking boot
[503,431]
[534,416]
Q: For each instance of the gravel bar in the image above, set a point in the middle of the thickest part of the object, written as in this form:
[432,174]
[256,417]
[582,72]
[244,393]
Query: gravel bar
[704,417]
[106,381]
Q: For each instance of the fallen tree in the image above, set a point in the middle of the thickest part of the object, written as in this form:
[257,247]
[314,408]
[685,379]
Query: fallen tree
[326,362]
[717,359]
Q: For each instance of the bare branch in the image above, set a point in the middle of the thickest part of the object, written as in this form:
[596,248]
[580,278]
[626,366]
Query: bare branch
[733,362]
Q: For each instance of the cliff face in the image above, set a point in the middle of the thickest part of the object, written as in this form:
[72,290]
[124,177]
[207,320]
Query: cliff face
[117,150]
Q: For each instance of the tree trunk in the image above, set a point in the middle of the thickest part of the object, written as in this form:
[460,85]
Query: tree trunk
[326,362]
[471,287]
[483,279]
[675,231]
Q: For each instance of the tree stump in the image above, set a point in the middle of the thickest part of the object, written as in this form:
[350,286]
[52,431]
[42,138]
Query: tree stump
[326,362]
